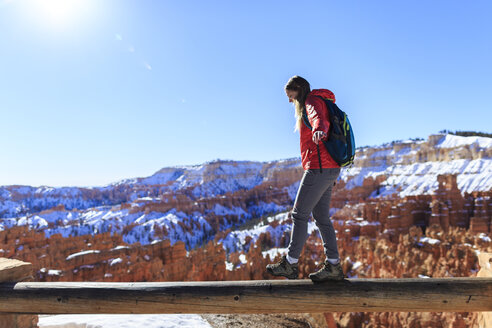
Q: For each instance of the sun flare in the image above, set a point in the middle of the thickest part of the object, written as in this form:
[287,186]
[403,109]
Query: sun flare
[60,12]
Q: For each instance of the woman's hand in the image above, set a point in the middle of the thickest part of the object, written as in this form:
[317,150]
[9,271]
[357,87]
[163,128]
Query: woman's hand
[318,135]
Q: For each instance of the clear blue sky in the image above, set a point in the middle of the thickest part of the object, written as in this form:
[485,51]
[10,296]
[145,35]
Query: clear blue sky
[95,91]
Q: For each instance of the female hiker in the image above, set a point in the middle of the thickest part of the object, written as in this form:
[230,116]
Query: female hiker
[314,193]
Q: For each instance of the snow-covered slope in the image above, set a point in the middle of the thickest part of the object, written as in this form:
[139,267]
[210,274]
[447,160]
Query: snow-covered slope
[412,167]
[196,181]
[199,206]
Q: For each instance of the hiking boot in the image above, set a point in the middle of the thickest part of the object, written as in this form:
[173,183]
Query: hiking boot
[284,268]
[328,272]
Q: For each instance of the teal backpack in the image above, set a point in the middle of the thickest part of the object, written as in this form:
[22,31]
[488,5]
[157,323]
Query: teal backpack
[340,142]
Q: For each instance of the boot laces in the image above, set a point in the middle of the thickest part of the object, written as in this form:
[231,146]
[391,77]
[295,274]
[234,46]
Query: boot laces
[325,265]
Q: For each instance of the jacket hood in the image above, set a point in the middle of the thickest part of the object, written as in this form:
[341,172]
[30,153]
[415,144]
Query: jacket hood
[325,93]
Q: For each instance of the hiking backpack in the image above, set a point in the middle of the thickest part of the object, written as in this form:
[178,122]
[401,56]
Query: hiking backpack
[340,142]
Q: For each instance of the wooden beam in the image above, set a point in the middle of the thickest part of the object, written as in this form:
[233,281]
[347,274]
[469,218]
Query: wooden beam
[462,294]
[14,270]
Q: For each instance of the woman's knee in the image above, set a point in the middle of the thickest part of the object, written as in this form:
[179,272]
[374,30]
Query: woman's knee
[321,212]
[323,221]
[299,216]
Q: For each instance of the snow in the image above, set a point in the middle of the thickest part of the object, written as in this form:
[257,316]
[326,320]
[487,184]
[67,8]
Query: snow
[356,265]
[101,219]
[361,222]
[292,190]
[406,175]
[242,258]
[53,272]
[228,176]
[229,265]
[34,221]
[453,141]
[222,210]
[273,252]
[484,237]
[71,256]
[231,176]
[122,321]
[121,247]
[429,240]
[421,178]
[115,261]
[236,240]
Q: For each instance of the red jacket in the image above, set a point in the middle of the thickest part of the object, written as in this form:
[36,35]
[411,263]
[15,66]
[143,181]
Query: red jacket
[318,118]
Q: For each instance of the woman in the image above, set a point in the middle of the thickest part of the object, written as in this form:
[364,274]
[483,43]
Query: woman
[314,193]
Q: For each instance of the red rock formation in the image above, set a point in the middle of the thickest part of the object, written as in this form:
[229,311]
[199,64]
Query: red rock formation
[482,219]
[105,257]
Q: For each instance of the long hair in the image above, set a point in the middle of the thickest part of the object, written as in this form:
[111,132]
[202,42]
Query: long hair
[299,84]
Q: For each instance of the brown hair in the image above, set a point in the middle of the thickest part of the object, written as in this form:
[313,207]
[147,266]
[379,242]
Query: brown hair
[299,84]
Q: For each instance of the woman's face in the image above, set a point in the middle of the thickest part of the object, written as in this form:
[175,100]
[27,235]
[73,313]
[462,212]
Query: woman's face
[291,94]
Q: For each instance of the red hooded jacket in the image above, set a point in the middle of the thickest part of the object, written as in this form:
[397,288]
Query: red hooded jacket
[318,117]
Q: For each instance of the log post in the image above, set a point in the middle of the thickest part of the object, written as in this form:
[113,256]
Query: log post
[12,270]
[484,260]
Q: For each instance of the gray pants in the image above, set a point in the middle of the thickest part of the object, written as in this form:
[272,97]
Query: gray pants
[314,195]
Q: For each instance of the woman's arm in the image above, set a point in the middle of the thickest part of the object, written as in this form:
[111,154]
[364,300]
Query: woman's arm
[317,116]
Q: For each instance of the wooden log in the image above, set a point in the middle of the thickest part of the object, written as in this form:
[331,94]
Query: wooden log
[14,270]
[484,260]
[463,294]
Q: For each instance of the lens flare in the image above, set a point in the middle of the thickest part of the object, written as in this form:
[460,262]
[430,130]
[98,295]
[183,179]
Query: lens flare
[60,12]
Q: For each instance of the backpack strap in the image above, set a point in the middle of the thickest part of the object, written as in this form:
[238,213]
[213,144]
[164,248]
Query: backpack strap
[305,119]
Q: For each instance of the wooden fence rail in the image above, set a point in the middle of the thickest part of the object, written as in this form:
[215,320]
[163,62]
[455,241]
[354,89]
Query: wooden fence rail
[256,296]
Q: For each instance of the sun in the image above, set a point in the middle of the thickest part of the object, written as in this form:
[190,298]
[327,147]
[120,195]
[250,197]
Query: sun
[60,12]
